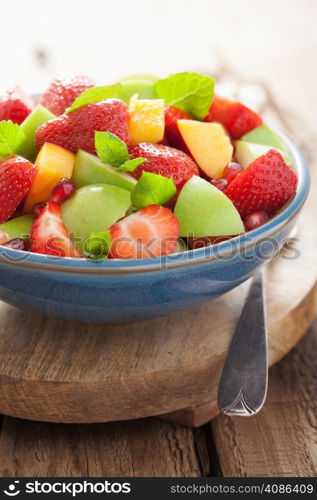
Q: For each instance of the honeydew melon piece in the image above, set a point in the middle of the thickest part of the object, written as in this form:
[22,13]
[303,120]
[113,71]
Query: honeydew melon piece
[30,125]
[19,227]
[93,209]
[247,152]
[204,210]
[89,169]
[264,135]
[143,85]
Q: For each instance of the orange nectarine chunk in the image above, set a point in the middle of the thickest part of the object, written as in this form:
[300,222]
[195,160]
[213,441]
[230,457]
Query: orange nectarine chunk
[53,163]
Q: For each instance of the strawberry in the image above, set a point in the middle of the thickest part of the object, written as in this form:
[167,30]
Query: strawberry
[266,184]
[172,134]
[150,232]
[76,130]
[165,161]
[62,92]
[16,177]
[49,235]
[234,116]
[15,105]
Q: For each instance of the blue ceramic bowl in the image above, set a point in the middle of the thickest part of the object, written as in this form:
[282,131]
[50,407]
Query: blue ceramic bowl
[117,291]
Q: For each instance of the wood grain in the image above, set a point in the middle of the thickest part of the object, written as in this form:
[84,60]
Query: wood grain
[141,448]
[66,372]
[282,439]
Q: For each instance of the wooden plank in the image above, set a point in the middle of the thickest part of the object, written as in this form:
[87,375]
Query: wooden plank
[282,439]
[148,447]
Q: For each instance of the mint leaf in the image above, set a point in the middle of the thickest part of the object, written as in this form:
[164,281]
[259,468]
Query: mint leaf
[111,149]
[11,138]
[130,165]
[191,92]
[97,246]
[96,94]
[152,189]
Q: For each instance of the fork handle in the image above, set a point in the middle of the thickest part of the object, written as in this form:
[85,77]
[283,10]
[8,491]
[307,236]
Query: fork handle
[243,384]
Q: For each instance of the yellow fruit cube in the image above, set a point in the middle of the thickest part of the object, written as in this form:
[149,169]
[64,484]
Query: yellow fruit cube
[53,163]
[146,120]
[209,145]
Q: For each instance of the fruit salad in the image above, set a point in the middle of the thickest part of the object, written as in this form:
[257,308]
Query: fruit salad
[140,168]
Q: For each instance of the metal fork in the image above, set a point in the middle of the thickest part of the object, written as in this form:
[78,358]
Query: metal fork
[243,384]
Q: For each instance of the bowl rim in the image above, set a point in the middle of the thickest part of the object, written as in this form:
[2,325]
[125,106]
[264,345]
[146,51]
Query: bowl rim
[182,259]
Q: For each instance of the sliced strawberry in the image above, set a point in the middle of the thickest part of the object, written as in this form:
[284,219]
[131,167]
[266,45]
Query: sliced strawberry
[15,105]
[16,177]
[76,130]
[150,232]
[49,235]
[234,116]
[63,91]
[266,184]
[165,161]
[172,134]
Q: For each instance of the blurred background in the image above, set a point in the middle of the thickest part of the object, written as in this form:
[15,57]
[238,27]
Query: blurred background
[274,42]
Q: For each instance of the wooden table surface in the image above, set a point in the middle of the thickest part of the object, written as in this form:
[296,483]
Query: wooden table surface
[280,441]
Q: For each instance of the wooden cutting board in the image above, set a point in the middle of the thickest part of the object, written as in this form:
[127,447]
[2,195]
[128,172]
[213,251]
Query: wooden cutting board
[57,371]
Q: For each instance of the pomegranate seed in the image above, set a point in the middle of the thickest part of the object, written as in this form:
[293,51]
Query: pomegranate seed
[38,208]
[16,244]
[231,171]
[63,190]
[255,219]
[220,184]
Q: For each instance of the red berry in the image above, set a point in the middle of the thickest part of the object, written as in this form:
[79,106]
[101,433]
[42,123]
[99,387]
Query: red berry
[165,161]
[16,244]
[231,171]
[38,208]
[15,105]
[234,116]
[266,184]
[255,219]
[62,92]
[16,177]
[63,190]
[220,184]
[172,133]
[76,130]
[49,236]
[150,232]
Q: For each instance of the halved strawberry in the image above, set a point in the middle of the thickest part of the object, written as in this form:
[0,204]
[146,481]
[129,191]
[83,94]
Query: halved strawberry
[49,235]
[163,160]
[150,232]
[15,105]
[63,91]
[76,130]
[16,177]
[266,184]
[172,134]
[234,116]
